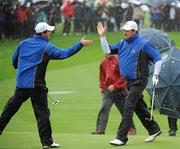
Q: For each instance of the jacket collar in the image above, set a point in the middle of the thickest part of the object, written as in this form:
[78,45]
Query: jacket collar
[132,38]
[39,37]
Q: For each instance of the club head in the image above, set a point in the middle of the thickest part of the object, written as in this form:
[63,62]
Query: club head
[149,119]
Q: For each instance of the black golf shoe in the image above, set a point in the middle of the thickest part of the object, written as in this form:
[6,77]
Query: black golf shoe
[98,133]
[172,133]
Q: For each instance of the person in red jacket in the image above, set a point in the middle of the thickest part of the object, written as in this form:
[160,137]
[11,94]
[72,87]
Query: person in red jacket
[113,90]
[68,11]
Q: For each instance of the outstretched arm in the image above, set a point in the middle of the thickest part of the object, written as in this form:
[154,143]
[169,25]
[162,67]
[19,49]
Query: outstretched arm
[56,53]
[104,43]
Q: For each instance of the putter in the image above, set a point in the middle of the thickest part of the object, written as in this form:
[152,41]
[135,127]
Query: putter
[54,101]
[152,103]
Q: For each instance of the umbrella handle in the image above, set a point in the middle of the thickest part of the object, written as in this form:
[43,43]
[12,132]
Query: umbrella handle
[152,103]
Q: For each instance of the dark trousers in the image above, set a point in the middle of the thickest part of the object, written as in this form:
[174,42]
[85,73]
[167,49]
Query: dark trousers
[135,103]
[39,102]
[109,98]
[67,25]
[172,122]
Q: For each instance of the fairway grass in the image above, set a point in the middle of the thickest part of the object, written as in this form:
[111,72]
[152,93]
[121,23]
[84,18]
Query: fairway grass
[74,118]
[29,140]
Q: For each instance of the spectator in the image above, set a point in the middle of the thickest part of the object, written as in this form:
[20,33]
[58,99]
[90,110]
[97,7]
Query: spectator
[113,90]
[68,12]
[138,14]
[172,16]
[172,122]
[78,17]
[155,18]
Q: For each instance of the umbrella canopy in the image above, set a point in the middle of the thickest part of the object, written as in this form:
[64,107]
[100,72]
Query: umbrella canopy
[40,3]
[159,38]
[37,1]
[136,2]
[158,2]
[145,8]
[167,91]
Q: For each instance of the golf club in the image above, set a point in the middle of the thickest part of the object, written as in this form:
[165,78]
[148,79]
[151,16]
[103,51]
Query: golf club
[152,103]
[54,101]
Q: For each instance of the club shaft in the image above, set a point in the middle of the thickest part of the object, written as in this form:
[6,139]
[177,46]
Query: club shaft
[152,103]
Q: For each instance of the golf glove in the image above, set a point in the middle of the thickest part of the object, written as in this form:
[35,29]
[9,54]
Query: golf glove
[155,80]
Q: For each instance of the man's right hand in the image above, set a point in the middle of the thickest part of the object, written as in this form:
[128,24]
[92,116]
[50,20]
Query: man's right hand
[101,29]
[111,88]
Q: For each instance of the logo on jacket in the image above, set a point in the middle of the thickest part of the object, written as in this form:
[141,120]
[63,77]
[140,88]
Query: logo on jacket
[133,51]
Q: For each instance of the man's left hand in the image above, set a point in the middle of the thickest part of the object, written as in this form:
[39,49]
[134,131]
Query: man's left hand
[155,80]
[86,42]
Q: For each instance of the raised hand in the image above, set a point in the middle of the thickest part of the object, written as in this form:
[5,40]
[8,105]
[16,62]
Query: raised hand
[86,42]
[101,29]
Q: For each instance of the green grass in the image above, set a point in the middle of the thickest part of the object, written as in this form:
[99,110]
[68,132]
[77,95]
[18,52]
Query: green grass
[85,141]
[74,118]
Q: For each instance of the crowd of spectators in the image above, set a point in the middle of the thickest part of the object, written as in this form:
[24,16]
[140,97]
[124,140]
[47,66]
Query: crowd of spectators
[166,17]
[18,21]
[77,16]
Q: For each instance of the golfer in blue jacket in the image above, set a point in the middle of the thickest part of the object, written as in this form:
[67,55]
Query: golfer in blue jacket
[134,54]
[31,58]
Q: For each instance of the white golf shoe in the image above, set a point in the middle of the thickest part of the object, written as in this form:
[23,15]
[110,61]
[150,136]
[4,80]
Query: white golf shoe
[152,137]
[53,145]
[116,142]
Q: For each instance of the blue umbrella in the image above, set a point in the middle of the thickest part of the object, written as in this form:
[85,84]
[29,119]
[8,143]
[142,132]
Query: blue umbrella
[168,89]
[167,92]
[159,38]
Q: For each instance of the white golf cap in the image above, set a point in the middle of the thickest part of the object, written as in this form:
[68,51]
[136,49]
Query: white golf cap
[130,25]
[43,26]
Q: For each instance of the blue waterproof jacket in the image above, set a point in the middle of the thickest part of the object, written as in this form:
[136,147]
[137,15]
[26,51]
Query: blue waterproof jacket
[130,56]
[31,58]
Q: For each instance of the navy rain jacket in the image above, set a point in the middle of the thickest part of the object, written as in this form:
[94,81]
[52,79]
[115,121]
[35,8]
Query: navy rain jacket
[31,58]
[134,56]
